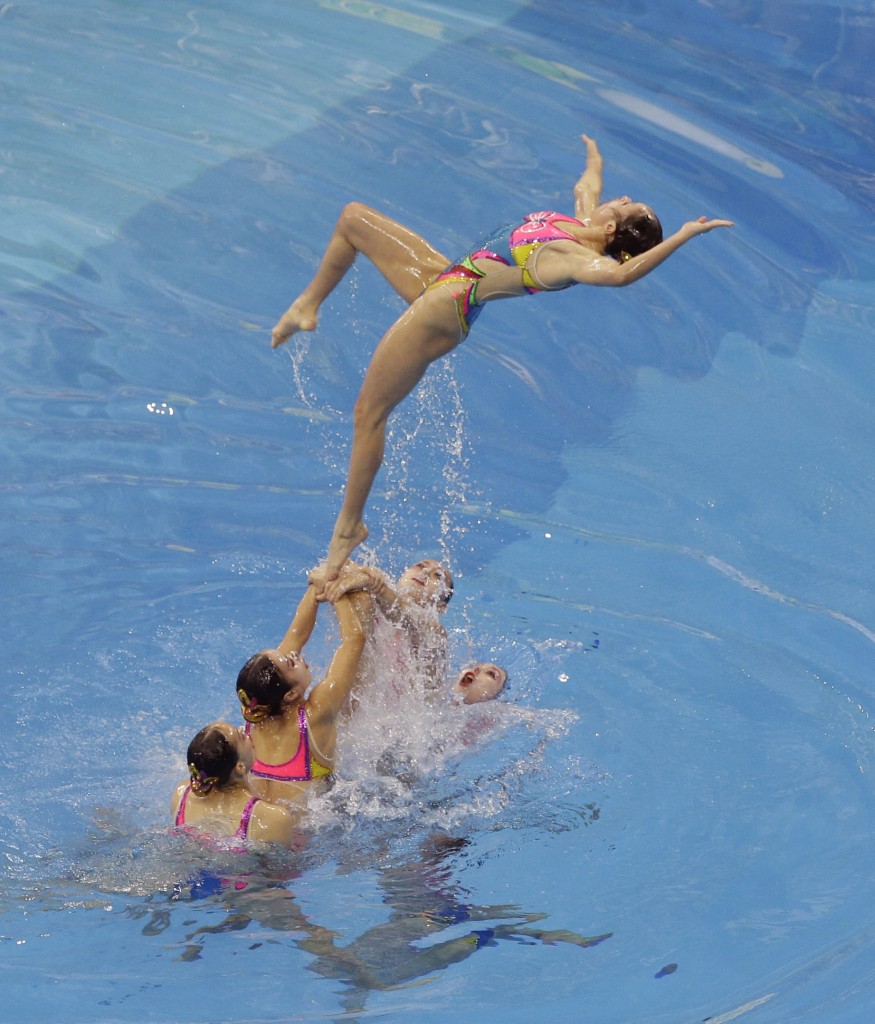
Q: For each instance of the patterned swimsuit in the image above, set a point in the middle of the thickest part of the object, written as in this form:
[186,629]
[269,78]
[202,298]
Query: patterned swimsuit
[510,246]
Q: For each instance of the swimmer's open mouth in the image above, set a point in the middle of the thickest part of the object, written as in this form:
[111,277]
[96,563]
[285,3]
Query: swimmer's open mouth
[466,679]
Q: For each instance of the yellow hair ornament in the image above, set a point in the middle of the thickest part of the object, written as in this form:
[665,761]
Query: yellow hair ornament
[252,710]
[201,783]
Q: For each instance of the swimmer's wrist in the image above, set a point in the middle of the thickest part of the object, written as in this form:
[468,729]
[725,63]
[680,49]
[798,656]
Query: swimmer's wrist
[376,580]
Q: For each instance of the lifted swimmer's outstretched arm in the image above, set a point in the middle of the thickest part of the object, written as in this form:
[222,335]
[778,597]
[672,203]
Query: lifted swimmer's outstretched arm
[560,266]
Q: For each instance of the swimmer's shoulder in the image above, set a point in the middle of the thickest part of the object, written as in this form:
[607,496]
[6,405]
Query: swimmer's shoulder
[273,823]
[176,799]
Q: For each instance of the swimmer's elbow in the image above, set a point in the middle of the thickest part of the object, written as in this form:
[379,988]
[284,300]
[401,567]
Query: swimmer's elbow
[613,278]
[618,275]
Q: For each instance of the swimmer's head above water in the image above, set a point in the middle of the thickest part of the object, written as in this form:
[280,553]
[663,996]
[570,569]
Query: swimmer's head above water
[428,583]
[633,228]
[480,682]
[270,681]
[217,755]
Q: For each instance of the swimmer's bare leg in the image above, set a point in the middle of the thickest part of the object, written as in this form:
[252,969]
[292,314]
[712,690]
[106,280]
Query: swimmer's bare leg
[404,258]
[428,330]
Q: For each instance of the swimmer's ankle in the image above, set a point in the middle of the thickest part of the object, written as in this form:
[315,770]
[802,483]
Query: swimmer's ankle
[300,316]
[344,541]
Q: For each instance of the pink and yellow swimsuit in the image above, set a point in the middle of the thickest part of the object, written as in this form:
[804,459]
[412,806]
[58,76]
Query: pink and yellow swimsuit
[302,767]
[510,246]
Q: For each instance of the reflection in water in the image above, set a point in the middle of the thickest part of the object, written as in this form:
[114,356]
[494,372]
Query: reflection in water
[423,901]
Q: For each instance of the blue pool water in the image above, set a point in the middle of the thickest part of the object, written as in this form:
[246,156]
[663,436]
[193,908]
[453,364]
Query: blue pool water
[657,503]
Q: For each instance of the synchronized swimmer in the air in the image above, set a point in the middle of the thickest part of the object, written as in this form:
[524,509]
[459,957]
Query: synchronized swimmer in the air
[609,244]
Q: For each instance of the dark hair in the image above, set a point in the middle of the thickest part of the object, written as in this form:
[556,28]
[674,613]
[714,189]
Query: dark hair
[261,687]
[211,759]
[634,235]
[449,587]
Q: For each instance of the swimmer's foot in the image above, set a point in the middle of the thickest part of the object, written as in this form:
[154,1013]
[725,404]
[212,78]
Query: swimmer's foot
[300,316]
[343,543]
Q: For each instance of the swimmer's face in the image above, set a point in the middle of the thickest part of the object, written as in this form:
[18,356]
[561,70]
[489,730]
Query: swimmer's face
[293,669]
[428,583]
[239,740]
[480,682]
[620,210]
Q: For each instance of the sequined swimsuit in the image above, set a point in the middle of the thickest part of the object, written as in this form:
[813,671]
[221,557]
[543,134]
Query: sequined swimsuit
[301,767]
[509,246]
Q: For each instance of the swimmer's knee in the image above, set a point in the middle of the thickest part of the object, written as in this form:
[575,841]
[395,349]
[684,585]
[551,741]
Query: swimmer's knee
[354,215]
[369,420]
[364,415]
[352,211]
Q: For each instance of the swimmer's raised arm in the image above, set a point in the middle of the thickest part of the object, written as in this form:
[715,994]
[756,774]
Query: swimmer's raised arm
[328,697]
[302,624]
[588,190]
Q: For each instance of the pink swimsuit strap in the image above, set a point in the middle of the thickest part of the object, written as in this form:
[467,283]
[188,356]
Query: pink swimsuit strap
[180,811]
[242,828]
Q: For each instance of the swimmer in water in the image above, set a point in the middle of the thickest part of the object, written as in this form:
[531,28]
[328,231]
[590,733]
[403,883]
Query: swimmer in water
[420,595]
[217,799]
[609,244]
[294,737]
[481,682]
[406,628]
[422,592]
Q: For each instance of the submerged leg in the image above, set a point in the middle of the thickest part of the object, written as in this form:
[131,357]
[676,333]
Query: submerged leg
[405,259]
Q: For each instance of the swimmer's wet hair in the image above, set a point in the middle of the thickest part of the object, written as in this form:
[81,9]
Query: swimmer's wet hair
[635,235]
[211,759]
[449,589]
[261,688]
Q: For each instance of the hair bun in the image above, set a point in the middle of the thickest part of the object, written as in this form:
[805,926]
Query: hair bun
[251,709]
[201,783]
